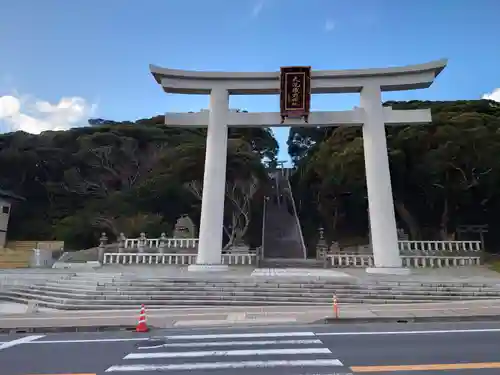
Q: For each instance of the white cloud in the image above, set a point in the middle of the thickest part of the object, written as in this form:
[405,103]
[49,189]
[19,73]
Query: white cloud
[329,25]
[494,95]
[35,116]
[257,8]
[9,106]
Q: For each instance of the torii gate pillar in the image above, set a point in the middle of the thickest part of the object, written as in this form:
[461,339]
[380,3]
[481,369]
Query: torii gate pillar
[214,185]
[383,230]
[371,116]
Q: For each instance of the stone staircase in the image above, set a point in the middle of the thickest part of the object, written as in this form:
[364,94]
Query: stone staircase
[89,291]
[291,263]
[282,235]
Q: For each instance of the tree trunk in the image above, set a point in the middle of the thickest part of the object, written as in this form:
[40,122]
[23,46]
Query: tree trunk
[443,226]
[335,220]
[408,219]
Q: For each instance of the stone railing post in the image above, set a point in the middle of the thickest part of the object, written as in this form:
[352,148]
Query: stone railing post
[322,248]
[335,248]
[121,243]
[259,254]
[142,243]
[163,243]
[102,245]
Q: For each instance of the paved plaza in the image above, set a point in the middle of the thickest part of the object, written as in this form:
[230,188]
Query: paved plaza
[458,274]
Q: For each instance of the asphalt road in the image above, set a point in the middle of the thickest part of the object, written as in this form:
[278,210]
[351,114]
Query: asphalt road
[416,349]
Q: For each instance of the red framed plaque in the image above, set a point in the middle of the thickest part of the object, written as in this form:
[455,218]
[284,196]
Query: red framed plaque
[295,92]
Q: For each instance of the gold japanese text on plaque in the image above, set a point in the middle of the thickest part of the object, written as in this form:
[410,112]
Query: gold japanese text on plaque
[295,95]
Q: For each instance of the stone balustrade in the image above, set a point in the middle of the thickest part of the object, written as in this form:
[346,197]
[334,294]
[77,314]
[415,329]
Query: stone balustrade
[332,260]
[439,247]
[414,254]
[238,259]
[154,243]
[427,261]
[405,247]
[440,261]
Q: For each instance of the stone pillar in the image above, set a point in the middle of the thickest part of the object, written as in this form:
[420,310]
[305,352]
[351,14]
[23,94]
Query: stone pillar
[102,247]
[163,243]
[121,243]
[214,186]
[322,248]
[384,235]
[142,243]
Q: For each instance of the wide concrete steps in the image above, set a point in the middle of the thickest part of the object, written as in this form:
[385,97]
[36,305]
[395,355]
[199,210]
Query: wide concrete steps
[298,285]
[94,292]
[130,290]
[81,303]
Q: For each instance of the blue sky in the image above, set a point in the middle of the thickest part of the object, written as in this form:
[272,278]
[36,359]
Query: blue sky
[67,60]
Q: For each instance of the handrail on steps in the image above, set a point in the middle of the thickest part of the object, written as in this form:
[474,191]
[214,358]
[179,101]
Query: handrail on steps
[295,214]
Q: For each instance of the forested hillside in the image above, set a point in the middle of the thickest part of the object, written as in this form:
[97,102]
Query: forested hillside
[443,175]
[141,176]
[129,177]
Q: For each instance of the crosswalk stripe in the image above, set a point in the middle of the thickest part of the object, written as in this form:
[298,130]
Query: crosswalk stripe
[19,341]
[227,365]
[241,335]
[231,343]
[225,353]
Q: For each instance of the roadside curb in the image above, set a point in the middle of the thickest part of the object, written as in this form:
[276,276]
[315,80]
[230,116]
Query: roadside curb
[409,319]
[328,320]
[96,328]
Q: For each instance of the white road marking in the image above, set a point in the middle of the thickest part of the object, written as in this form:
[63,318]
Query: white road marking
[240,335]
[256,335]
[227,365]
[374,333]
[22,340]
[228,353]
[190,323]
[231,343]
[81,341]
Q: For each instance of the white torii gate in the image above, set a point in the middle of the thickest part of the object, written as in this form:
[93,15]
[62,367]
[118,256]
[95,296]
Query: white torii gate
[370,115]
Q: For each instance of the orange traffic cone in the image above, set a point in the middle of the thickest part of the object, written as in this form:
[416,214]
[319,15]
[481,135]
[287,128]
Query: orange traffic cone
[335,306]
[141,324]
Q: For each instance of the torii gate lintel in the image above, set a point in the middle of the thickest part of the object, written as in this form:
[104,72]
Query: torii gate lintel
[355,117]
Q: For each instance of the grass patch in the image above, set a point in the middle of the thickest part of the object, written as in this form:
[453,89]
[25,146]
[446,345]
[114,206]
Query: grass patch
[494,265]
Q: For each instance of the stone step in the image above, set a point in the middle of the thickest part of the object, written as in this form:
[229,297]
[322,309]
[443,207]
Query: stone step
[92,278]
[168,285]
[275,288]
[345,289]
[259,291]
[258,281]
[88,304]
[171,304]
[291,263]
[298,280]
[203,295]
[216,289]
[92,291]
[166,301]
[269,290]
[200,293]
